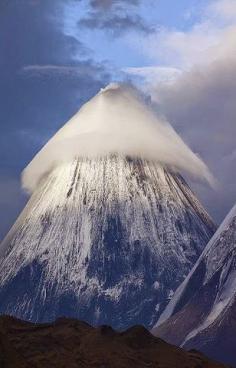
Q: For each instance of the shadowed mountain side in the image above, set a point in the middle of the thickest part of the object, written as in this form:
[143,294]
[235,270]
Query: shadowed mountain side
[71,343]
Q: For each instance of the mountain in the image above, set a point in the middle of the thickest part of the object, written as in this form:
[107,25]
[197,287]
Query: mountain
[106,236]
[202,313]
[72,343]
[105,240]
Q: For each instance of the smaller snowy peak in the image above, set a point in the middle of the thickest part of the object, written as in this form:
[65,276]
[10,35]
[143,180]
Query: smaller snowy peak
[203,307]
[117,120]
[221,246]
[213,257]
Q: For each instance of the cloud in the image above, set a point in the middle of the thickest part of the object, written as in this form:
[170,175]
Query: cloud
[11,200]
[199,100]
[117,24]
[116,120]
[151,75]
[201,105]
[223,9]
[66,74]
[203,44]
[85,68]
[45,76]
[108,4]
[116,16]
[210,38]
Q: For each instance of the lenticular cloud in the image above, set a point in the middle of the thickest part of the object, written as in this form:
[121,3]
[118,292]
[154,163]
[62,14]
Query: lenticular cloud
[117,120]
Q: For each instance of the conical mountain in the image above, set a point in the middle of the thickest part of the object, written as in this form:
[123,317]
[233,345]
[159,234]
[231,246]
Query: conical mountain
[201,314]
[110,230]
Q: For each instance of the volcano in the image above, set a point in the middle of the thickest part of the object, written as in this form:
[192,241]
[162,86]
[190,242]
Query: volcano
[109,231]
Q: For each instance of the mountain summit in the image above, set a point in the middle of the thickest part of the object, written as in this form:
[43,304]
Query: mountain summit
[108,234]
[117,120]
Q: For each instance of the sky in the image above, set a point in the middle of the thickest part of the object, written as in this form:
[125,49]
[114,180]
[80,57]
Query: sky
[57,54]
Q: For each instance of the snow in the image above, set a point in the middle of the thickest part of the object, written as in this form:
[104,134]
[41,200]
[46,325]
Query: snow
[107,230]
[156,285]
[222,301]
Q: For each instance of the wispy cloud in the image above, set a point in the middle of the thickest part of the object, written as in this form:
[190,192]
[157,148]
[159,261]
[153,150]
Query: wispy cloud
[82,68]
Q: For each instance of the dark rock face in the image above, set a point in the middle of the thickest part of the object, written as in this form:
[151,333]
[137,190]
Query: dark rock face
[70,343]
[202,314]
[104,240]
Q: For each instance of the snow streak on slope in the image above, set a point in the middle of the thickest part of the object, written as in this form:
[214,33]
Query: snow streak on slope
[106,240]
[116,120]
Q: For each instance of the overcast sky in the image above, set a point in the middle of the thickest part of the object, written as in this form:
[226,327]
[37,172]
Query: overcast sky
[56,54]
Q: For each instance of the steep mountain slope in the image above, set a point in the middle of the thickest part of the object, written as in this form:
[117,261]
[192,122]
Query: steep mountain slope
[106,240]
[202,313]
[71,343]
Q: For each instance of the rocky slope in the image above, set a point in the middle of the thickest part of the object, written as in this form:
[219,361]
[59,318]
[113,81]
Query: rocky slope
[69,343]
[106,240]
[202,313]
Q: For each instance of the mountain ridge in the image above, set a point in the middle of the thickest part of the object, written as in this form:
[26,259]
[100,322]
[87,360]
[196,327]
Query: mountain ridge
[72,343]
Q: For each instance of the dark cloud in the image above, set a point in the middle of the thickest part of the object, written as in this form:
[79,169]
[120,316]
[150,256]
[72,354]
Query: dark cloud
[107,4]
[115,16]
[45,77]
[30,33]
[201,106]
[116,24]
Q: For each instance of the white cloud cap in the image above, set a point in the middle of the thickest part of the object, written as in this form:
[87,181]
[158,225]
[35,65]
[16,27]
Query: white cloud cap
[116,120]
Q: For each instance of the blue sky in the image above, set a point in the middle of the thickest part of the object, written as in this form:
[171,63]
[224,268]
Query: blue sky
[56,54]
[177,15]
